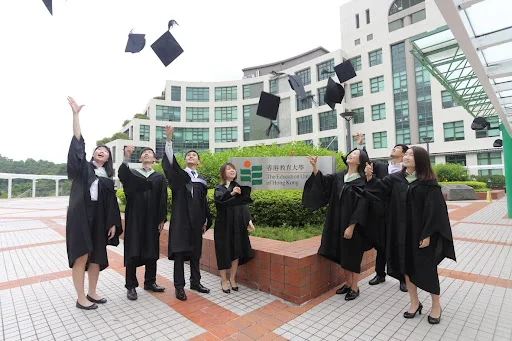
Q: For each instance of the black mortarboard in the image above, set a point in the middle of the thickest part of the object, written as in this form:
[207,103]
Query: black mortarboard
[297,86]
[136,42]
[167,48]
[48,4]
[345,71]
[268,105]
[480,123]
[498,143]
[334,93]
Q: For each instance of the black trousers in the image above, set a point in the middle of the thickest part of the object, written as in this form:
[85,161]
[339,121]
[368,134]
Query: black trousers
[179,270]
[149,276]
[380,262]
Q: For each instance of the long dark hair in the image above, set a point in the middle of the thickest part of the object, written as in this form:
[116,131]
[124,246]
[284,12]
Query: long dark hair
[422,164]
[363,159]
[109,165]
[223,168]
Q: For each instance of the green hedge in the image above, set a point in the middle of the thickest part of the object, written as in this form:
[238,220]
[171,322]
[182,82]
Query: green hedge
[497,181]
[475,184]
[451,172]
[270,208]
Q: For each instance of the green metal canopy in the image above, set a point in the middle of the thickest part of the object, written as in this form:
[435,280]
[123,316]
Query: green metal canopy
[439,52]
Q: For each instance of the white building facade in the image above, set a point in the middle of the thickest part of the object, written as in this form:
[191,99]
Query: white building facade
[395,100]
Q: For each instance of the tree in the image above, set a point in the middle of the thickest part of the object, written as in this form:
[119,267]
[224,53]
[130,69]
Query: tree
[141,117]
[116,136]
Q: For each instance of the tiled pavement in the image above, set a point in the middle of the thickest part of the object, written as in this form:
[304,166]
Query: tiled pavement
[37,294]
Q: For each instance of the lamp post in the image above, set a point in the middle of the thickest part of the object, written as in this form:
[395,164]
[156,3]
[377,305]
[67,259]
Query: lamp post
[427,140]
[348,115]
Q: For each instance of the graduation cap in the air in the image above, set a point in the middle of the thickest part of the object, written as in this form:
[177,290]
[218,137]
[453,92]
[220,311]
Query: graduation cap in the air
[297,86]
[345,71]
[136,42]
[497,143]
[48,4]
[480,123]
[268,106]
[334,93]
[167,48]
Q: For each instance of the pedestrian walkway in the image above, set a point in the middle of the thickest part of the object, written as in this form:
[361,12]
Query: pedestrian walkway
[37,295]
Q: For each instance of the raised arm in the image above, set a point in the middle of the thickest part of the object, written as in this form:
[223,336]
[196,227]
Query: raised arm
[318,188]
[173,172]
[76,153]
[76,119]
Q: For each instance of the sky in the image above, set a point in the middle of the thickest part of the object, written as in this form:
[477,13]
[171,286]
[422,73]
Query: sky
[79,51]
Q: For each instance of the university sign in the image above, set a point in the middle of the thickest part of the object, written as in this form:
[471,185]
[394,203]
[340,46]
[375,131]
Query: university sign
[279,172]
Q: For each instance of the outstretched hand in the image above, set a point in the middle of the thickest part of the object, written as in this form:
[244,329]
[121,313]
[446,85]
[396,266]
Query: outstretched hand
[312,159]
[128,150]
[75,107]
[168,132]
[360,138]
[368,171]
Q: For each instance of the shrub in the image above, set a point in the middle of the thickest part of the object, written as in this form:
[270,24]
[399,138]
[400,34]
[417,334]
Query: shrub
[475,184]
[451,172]
[497,180]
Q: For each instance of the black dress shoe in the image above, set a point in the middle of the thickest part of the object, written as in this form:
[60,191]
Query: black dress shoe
[403,287]
[91,307]
[352,295]
[154,287]
[343,290]
[377,280]
[200,288]
[234,288]
[435,320]
[226,291]
[100,301]
[180,294]
[132,294]
[409,315]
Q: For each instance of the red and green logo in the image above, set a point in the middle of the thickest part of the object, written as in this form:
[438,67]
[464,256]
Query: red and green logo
[251,173]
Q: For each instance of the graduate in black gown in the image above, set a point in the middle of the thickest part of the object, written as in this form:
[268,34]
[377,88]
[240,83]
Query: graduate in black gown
[346,236]
[93,220]
[190,216]
[145,216]
[419,231]
[232,223]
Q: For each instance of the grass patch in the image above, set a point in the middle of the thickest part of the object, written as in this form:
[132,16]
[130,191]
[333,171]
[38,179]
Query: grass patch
[287,233]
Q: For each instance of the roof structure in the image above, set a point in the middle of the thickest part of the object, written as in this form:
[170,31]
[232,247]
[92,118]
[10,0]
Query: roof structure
[472,56]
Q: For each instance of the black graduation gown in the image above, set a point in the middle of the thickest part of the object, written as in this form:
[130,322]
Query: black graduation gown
[188,212]
[146,207]
[345,208]
[88,222]
[377,209]
[230,233]
[417,210]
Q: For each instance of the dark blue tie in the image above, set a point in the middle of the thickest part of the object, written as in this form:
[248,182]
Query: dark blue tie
[194,174]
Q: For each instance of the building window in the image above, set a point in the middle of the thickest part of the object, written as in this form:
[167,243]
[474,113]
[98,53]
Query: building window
[493,132]
[356,63]
[418,16]
[400,94]
[165,113]
[183,140]
[396,25]
[325,70]
[358,115]
[357,42]
[246,91]
[331,143]
[379,112]
[328,120]
[487,159]
[380,140]
[369,37]
[198,114]
[375,57]
[198,94]
[400,5]
[305,76]
[305,103]
[304,125]
[354,141]
[425,131]
[225,114]
[367,16]
[357,20]
[321,94]
[456,158]
[176,93]
[423,101]
[356,89]
[377,84]
[448,101]
[225,93]
[114,154]
[273,87]
[220,150]
[247,122]
[453,131]
[226,134]
[144,132]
